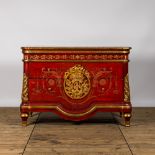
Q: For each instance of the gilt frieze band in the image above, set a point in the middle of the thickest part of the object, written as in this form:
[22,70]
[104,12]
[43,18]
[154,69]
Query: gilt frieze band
[75,57]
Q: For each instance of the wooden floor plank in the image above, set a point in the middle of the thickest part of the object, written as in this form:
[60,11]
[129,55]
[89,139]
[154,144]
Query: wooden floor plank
[141,135]
[98,135]
[13,136]
[80,150]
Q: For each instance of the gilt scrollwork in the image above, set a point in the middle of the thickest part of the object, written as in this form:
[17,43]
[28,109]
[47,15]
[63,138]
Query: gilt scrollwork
[102,81]
[126,89]
[77,82]
[25,88]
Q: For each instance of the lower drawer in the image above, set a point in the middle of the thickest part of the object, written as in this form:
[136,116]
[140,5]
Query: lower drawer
[52,90]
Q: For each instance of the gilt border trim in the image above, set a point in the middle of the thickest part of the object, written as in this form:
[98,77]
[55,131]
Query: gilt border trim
[76,48]
[25,88]
[126,89]
[75,60]
[41,51]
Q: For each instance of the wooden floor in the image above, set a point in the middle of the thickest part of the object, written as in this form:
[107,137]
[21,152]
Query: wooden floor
[47,134]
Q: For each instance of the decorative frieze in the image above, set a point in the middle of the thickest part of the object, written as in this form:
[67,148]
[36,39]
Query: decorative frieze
[42,57]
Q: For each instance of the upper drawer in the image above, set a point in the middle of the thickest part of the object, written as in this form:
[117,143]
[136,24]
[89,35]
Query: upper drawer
[57,70]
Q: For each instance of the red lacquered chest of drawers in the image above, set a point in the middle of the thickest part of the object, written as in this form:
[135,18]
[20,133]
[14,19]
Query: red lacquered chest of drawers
[75,82]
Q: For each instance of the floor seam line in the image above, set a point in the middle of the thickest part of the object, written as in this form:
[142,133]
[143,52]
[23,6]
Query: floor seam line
[123,135]
[30,135]
[125,140]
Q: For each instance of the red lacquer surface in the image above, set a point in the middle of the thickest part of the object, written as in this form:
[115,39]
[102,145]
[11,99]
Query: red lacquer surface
[46,83]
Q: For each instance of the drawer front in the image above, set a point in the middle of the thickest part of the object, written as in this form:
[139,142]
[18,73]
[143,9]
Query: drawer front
[76,85]
[38,70]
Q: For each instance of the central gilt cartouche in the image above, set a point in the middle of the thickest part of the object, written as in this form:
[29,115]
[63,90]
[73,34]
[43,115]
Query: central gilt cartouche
[77,82]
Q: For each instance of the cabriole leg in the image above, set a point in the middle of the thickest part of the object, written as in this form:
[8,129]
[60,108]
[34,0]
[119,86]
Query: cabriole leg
[127,117]
[24,117]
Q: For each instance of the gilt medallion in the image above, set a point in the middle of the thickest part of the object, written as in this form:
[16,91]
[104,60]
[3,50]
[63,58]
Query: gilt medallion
[77,82]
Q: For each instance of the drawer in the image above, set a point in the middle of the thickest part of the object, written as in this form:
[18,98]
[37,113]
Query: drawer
[104,82]
[52,92]
[57,70]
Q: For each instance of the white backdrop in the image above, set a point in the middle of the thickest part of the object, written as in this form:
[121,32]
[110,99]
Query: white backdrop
[78,23]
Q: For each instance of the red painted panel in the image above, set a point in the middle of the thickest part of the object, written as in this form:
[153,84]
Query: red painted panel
[106,84]
[38,70]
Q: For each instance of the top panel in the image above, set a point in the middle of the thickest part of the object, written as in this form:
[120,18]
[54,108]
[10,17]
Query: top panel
[79,49]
